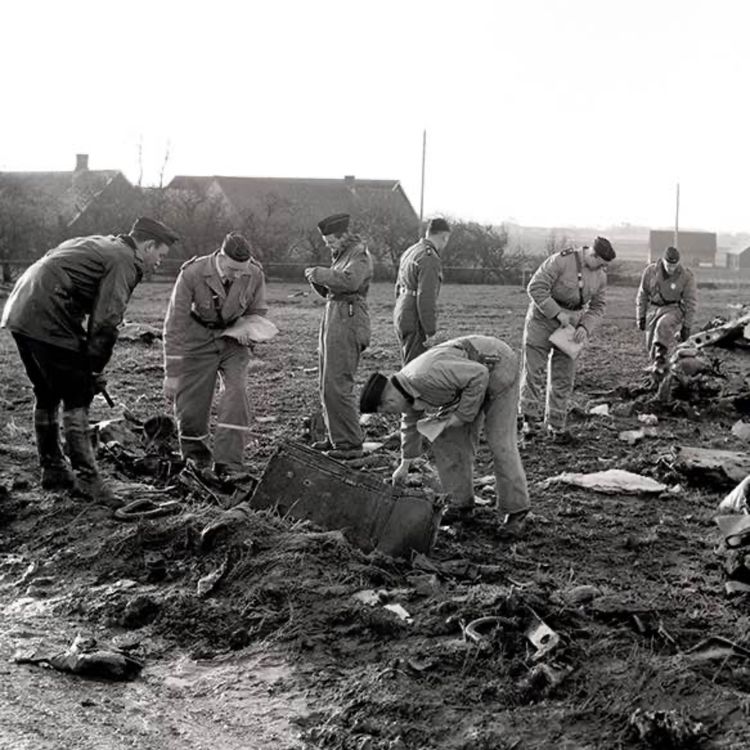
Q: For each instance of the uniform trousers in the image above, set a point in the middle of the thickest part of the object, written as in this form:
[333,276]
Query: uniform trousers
[545,368]
[195,391]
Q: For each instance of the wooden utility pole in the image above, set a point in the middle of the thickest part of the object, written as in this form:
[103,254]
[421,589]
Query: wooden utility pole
[421,192]
[677,217]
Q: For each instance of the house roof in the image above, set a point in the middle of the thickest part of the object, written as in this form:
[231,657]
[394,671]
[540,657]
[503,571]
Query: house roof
[310,199]
[64,194]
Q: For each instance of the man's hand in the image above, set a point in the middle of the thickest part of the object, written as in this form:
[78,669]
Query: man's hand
[100,382]
[310,274]
[402,470]
[684,333]
[581,335]
[436,338]
[170,388]
[564,318]
[641,324]
[244,339]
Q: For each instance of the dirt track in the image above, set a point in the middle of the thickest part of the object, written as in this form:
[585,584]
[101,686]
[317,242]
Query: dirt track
[280,656]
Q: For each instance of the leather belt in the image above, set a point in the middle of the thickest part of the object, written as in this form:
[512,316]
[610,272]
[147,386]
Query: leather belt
[407,292]
[211,325]
[664,304]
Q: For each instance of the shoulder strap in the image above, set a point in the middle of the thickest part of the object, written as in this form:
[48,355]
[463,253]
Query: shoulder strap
[579,268]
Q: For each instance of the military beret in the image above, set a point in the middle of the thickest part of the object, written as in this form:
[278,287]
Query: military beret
[603,248]
[672,255]
[154,230]
[437,225]
[369,399]
[236,247]
[336,224]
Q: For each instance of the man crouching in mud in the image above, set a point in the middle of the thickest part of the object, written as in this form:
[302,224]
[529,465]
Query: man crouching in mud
[463,381]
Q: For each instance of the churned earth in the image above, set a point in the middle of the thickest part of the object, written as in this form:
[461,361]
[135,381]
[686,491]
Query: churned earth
[256,641]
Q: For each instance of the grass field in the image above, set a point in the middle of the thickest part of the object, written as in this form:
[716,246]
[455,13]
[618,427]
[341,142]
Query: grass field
[313,670]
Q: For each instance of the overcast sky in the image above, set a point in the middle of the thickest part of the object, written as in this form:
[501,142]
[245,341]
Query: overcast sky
[547,112]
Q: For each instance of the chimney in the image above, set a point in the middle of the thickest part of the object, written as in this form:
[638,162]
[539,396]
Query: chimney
[82,162]
[349,181]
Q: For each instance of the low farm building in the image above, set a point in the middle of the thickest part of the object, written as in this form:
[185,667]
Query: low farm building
[696,248]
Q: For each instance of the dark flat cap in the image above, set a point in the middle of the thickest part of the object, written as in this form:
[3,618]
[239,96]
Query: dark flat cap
[336,224]
[154,230]
[236,247]
[437,225]
[369,399]
[672,255]
[603,248]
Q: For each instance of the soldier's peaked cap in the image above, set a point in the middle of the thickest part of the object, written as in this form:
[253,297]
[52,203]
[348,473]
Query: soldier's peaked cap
[335,224]
[672,255]
[372,392]
[236,247]
[603,248]
[154,230]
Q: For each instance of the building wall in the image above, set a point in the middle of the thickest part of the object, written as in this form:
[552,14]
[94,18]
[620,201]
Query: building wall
[696,248]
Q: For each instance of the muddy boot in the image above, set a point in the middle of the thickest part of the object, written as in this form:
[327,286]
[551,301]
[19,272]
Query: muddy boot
[56,474]
[345,452]
[513,526]
[89,482]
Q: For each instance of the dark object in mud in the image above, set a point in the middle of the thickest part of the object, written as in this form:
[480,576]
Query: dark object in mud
[666,730]
[139,611]
[712,467]
[83,658]
[308,485]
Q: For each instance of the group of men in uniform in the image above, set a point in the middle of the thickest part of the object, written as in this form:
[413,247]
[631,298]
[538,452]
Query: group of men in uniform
[446,392]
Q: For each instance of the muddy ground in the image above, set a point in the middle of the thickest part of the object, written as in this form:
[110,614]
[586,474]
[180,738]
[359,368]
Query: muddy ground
[279,655]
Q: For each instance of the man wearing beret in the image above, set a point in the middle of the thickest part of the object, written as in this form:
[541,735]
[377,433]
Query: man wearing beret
[568,289]
[344,332]
[212,293]
[463,383]
[417,289]
[669,289]
[87,276]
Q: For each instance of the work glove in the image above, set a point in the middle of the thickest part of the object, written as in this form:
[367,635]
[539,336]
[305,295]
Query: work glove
[565,318]
[99,381]
[581,335]
[684,333]
[170,388]
[641,324]
[310,274]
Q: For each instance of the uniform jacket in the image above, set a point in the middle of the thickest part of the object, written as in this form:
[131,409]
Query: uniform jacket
[417,288]
[453,376]
[92,276]
[554,287]
[199,295]
[349,274]
[658,289]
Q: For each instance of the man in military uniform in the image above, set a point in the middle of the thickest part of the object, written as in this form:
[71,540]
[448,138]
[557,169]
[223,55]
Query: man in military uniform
[568,289]
[212,293]
[344,332]
[464,382]
[670,290]
[86,276]
[417,289]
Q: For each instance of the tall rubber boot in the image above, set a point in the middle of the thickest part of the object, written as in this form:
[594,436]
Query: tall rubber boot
[89,482]
[56,474]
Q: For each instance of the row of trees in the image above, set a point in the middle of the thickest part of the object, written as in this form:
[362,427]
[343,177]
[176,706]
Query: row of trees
[31,222]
